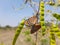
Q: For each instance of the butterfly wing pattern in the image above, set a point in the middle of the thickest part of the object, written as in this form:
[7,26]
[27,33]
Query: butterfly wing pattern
[32,22]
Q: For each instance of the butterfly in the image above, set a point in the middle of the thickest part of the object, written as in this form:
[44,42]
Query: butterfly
[33,23]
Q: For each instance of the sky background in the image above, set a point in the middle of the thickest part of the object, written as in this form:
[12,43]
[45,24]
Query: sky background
[12,17]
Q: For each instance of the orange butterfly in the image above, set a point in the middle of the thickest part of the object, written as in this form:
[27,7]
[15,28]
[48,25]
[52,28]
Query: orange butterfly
[33,23]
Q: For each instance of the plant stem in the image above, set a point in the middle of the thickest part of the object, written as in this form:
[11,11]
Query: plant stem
[36,38]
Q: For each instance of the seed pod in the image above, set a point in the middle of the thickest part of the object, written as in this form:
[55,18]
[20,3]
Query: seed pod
[42,17]
[56,30]
[42,13]
[51,3]
[18,32]
[58,34]
[57,16]
[42,9]
[52,38]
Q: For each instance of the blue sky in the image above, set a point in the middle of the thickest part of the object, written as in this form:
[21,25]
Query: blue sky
[12,17]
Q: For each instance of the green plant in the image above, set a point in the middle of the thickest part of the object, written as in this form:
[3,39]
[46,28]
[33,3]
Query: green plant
[18,32]
[44,41]
[42,17]
[57,16]
[54,30]
[27,32]
[28,39]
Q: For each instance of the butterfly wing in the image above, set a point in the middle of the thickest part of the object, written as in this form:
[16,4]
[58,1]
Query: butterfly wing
[26,23]
[35,28]
[31,21]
